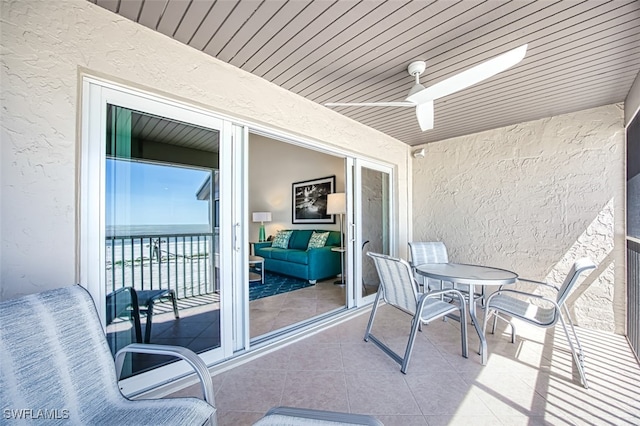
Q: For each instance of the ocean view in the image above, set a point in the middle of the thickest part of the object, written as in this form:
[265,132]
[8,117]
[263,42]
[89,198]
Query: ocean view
[151,230]
[166,256]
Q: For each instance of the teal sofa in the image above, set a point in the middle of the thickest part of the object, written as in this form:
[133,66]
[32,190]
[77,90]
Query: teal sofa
[298,261]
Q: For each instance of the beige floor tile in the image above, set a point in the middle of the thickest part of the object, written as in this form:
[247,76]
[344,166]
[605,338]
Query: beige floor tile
[403,420]
[320,357]
[380,393]
[237,418]
[365,356]
[445,393]
[462,420]
[320,390]
[250,390]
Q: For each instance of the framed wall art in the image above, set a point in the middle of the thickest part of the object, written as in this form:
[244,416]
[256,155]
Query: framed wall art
[310,200]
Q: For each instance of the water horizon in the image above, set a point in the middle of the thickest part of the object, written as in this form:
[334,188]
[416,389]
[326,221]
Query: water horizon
[118,231]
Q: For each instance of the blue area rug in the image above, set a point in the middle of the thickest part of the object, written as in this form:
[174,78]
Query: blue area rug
[275,284]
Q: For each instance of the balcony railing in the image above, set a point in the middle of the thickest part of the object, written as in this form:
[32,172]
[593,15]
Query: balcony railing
[172,261]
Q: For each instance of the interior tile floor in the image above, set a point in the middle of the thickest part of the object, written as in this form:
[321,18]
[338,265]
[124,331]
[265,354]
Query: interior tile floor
[281,310]
[531,382]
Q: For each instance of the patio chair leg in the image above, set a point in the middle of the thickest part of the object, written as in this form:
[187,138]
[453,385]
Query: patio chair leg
[415,324]
[367,332]
[463,330]
[487,315]
[172,296]
[576,350]
[147,329]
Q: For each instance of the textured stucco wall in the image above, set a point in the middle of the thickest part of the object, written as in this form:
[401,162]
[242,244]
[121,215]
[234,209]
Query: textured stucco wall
[46,46]
[532,198]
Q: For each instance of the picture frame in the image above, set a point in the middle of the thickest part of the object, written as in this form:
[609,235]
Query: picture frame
[309,200]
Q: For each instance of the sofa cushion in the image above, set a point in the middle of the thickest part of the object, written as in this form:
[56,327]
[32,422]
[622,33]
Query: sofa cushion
[300,239]
[280,254]
[264,252]
[333,239]
[318,239]
[281,239]
[298,256]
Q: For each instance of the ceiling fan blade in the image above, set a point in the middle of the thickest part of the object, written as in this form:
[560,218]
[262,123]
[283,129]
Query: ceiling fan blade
[471,76]
[372,104]
[424,112]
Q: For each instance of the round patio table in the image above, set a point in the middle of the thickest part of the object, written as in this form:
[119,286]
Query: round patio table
[471,275]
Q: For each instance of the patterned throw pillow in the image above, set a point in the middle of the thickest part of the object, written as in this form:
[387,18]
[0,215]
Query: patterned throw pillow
[318,239]
[281,239]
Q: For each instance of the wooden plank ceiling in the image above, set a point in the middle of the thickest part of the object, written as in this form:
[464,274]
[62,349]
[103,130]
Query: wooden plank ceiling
[582,54]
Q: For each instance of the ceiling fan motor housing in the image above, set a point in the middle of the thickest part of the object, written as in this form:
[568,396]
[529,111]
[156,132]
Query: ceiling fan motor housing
[417,67]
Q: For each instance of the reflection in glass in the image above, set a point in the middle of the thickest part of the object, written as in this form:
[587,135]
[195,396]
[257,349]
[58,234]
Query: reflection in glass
[160,239]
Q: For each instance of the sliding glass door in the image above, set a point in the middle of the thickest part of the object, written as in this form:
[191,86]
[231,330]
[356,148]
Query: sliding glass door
[157,197]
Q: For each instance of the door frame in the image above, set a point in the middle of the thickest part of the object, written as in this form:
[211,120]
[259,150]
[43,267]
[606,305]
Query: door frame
[96,94]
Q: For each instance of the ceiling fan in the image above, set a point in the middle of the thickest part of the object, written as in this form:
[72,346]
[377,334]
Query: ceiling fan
[422,97]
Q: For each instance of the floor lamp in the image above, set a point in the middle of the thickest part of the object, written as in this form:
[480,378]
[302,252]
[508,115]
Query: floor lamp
[337,204]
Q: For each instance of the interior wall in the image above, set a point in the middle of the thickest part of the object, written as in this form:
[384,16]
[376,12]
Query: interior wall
[532,198]
[47,47]
[273,167]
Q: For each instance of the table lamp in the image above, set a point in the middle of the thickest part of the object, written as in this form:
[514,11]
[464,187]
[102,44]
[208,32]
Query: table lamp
[262,217]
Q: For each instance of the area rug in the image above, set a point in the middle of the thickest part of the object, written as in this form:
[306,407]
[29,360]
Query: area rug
[275,284]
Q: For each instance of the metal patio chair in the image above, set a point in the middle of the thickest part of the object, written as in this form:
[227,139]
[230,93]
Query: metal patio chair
[398,288]
[544,313]
[436,252]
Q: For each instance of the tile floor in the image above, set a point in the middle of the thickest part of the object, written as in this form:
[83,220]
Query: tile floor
[198,326]
[275,312]
[531,382]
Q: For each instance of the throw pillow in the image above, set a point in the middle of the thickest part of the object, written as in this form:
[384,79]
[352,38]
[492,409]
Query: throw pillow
[281,240]
[318,239]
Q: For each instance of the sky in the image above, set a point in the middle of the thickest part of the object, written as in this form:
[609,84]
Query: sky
[140,193]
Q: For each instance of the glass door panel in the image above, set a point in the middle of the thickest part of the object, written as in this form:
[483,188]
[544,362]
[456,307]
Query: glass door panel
[161,234]
[373,212]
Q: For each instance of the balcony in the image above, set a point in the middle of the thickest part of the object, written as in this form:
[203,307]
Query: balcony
[531,382]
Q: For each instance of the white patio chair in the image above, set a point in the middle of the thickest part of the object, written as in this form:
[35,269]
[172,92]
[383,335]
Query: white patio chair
[398,288]
[436,252]
[55,364]
[545,312]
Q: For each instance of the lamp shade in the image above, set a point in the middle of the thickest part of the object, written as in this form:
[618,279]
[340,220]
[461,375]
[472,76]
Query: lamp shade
[262,216]
[337,203]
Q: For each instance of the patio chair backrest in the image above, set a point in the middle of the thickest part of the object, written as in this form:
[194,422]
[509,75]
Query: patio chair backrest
[41,336]
[570,281]
[428,252]
[396,279]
